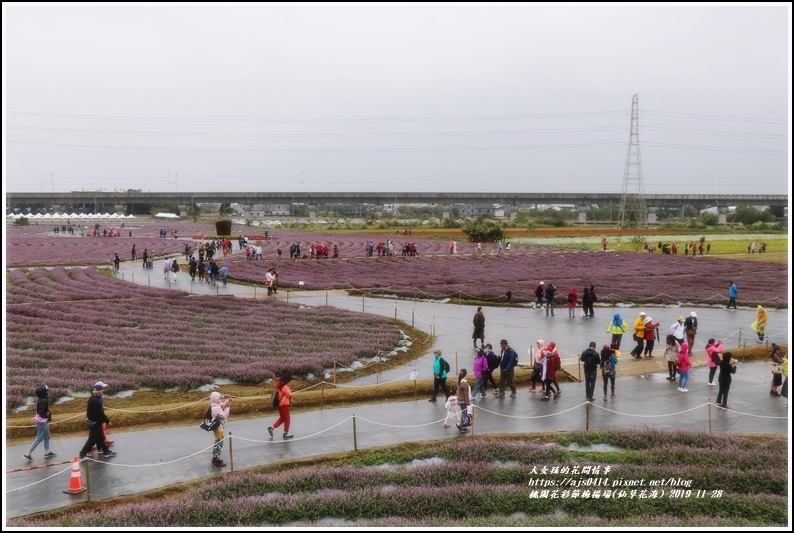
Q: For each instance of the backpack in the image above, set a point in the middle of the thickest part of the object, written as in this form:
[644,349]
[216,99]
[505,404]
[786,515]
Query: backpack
[275,398]
[606,368]
[444,365]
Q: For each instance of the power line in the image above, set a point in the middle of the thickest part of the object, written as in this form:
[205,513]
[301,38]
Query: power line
[317,120]
[715,117]
[271,135]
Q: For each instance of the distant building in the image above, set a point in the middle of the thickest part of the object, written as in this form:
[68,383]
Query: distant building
[477,210]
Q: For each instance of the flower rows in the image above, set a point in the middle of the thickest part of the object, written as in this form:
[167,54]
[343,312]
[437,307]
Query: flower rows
[455,488]
[73,327]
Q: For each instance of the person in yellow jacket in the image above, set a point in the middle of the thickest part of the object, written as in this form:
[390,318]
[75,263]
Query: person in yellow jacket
[617,327]
[639,335]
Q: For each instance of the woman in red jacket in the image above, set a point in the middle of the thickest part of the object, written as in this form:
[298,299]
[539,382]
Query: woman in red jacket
[651,332]
[285,397]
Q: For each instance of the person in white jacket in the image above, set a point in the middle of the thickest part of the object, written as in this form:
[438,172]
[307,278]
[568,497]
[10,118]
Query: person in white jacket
[677,330]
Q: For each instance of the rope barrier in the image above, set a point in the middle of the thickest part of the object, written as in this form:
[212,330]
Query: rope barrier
[529,417]
[343,386]
[401,427]
[270,441]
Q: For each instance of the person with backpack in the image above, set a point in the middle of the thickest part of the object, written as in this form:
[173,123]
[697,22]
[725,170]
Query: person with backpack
[219,408]
[591,360]
[670,354]
[506,369]
[609,363]
[493,364]
[463,397]
[440,371]
[551,364]
[571,302]
[284,399]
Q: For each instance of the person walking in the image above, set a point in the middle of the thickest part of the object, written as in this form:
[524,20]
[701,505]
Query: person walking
[591,361]
[677,330]
[550,290]
[192,267]
[727,367]
[713,351]
[42,419]
[480,369]
[759,326]
[224,273]
[683,366]
[651,330]
[134,254]
[593,299]
[174,268]
[639,335]
[537,369]
[540,293]
[451,406]
[95,417]
[509,360]
[732,291]
[609,363]
[166,268]
[617,327]
[219,408]
[440,370]
[479,328]
[284,401]
[493,364]
[691,329]
[464,401]
[551,365]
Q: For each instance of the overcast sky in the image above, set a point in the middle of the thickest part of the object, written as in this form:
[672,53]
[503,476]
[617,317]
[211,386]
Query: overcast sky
[381,97]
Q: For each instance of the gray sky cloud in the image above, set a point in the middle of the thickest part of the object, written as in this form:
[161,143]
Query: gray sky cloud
[381,97]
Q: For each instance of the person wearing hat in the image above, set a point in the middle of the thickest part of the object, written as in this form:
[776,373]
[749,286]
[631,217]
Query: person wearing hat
[651,329]
[43,419]
[759,325]
[691,329]
[677,330]
[540,292]
[95,417]
[639,335]
[104,426]
[509,360]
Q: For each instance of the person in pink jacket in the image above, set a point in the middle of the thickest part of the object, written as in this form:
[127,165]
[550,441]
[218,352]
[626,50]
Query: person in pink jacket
[713,358]
[684,363]
[480,369]
[217,407]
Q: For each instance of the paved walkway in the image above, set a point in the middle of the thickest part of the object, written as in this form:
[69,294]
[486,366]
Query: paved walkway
[156,458]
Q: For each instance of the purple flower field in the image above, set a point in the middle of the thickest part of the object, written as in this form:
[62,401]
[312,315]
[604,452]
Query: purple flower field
[617,276]
[72,327]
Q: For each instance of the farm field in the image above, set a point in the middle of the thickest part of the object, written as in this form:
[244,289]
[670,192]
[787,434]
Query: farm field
[580,479]
[70,326]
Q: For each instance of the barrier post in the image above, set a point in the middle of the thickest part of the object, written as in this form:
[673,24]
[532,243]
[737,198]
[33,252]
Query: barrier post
[322,395]
[579,367]
[88,479]
[133,277]
[709,409]
[471,414]
[740,338]
[587,416]
[217,288]
[456,363]
[413,315]
[288,291]
[150,280]
[415,391]
[231,453]
[355,438]
[377,371]
[326,297]
[334,372]
[254,292]
[395,310]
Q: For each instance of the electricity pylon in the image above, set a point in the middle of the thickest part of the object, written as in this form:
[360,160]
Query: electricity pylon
[632,200]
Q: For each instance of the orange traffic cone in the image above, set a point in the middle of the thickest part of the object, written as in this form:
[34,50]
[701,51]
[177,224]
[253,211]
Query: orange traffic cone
[76,481]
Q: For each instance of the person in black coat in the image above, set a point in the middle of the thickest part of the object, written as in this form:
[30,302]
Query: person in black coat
[727,367]
[95,417]
[591,360]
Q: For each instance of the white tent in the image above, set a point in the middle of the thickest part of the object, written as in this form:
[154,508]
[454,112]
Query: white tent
[131,216]
[166,215]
